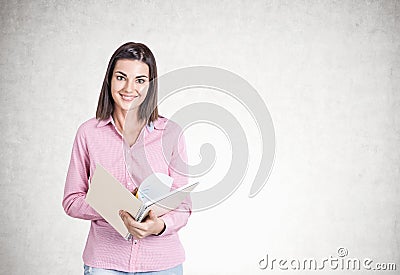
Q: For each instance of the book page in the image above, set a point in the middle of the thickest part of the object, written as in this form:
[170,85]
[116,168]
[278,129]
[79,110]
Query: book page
[166,202]
[154,186]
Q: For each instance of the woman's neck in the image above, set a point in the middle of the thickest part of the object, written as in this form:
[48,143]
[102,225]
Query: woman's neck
[131,130]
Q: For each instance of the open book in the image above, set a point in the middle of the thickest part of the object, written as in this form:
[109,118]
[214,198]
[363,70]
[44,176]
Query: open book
[107,196]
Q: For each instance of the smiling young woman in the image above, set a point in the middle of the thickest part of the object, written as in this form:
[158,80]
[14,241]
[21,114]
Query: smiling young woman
[129,91]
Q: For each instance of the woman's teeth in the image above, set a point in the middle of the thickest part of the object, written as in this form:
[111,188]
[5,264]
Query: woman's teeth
[128,97]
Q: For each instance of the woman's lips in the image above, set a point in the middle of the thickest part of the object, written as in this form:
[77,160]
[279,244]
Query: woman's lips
[128,97]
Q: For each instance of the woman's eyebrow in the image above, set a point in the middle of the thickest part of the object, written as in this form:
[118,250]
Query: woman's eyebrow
[124,74]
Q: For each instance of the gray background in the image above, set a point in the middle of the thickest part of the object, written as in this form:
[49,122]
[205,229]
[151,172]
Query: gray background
[329,72]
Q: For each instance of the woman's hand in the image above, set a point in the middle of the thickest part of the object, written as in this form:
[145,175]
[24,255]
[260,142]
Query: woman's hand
[152,225]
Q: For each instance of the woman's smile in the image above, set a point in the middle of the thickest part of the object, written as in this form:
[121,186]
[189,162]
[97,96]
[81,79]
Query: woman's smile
[128,97]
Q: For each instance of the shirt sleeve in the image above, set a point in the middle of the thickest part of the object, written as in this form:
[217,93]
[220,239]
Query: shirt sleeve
[76,184]
[176,219]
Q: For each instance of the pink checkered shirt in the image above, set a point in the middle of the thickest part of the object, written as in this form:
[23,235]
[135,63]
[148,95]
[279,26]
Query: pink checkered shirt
[157,145]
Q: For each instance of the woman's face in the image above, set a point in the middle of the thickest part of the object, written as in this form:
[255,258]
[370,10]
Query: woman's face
[129,84]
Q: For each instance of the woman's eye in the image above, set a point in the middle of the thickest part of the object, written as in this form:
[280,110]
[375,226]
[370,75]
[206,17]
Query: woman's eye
[141,81]
[120,77]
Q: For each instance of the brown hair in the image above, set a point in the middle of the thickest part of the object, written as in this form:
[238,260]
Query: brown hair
[148,110]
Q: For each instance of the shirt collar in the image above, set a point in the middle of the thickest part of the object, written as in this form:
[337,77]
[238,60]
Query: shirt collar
[104,122]
[158,124]
[150,127]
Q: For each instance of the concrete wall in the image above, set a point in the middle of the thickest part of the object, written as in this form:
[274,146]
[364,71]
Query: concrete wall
[329,72]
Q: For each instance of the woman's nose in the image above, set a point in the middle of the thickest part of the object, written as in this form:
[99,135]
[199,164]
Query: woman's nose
[130,86]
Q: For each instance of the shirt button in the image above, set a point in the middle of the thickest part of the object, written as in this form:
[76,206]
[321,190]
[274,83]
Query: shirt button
[135,241]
